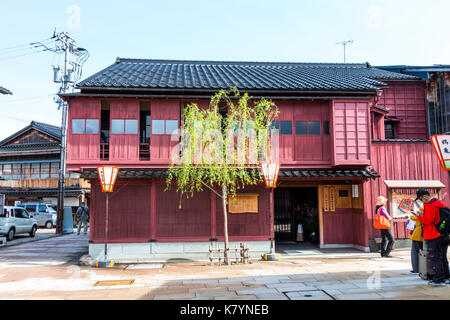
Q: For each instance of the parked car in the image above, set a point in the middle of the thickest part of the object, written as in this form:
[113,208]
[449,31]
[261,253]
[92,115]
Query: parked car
[42,212]
[15,220]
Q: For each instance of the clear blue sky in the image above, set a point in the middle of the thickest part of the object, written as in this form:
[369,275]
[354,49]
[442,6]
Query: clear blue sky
[384,32]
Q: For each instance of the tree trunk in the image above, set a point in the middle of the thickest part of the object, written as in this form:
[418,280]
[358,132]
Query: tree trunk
[225,223]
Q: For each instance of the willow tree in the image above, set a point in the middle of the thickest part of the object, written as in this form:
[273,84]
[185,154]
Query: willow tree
[221,147]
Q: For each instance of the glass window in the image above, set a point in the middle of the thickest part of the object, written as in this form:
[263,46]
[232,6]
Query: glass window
[45,170]
[54,170]
[74,175]
[286,127]
[171,126]
[30,207]
[117,126]
[326,128]
[1,170]
[35,168]
[78,125]
[300,128]
[16,171]
[42,208]
[6,171]
[389,130]
[92,126]
[314,128]
[275,125]
[131,126]
[26,170]
[157,126]
[20,213]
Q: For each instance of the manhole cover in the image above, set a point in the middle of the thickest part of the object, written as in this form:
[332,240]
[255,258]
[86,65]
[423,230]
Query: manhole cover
[114,283]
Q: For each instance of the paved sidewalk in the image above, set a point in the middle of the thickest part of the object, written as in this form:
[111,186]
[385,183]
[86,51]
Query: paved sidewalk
[49,269]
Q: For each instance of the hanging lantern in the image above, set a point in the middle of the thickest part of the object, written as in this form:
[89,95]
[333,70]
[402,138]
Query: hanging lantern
[270,172]
[107,176]
[441,144]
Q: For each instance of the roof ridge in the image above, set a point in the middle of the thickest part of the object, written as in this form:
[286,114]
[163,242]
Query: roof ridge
[177,61]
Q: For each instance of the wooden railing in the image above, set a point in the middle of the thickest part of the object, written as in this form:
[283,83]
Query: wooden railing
[144,151]
[104,151]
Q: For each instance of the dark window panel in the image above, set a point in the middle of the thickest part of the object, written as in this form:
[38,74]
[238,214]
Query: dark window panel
[286,127]
[314,128]
[300,128]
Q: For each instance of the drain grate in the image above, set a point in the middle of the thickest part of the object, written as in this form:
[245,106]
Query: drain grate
[309,295]
[114,283]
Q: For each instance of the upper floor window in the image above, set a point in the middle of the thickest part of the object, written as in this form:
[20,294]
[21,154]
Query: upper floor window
[124,126]
[283,127]
[389,130]
[164,126]
[82,126]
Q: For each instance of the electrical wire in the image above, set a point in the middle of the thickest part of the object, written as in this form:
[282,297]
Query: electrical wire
[21,55]
[27,99]
[25,45]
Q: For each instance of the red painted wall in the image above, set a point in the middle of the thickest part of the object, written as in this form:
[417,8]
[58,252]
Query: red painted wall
[139,214]
[402,161]
[83,146]
[351,132]
[406,101]
[124,147]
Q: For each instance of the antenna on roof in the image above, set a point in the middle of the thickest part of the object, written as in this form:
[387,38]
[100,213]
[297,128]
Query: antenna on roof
[344,43]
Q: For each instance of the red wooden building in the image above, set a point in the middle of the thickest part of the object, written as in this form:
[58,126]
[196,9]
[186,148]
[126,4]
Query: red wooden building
[347,132]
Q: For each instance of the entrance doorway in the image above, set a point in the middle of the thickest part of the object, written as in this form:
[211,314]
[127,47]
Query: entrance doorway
[294,207]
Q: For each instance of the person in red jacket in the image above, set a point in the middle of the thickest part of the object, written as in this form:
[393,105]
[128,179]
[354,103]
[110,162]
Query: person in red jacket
[437,244]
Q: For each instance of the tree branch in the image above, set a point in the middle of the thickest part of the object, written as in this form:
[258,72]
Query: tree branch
[211,189]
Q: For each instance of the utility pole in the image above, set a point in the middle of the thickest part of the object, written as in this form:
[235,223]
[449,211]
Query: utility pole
[344,43]
[65,44]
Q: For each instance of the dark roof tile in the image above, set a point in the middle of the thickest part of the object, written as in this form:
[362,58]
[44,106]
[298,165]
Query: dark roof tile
[184,74]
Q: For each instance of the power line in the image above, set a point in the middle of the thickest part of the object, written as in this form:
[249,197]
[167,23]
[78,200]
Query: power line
[26,99]
[22,55]
[24,45]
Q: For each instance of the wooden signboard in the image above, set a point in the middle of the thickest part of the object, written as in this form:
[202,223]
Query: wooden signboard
[326,199]
[332,199]
[243,203]
[403,202]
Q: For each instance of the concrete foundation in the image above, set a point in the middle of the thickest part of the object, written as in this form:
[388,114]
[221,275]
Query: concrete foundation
[169,251]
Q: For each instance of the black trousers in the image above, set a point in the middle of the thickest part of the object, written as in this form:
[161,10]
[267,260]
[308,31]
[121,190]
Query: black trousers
[437,249]
[387,242]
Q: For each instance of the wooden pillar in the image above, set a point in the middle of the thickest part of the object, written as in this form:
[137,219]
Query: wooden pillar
[320,197]
[213,216]
[153,211]
[367,205]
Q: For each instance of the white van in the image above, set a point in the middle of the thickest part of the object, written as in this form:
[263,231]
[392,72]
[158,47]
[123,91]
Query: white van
[15,220]
[44,213]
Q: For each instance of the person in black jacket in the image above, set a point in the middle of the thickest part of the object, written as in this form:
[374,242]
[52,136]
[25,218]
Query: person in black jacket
[83,214]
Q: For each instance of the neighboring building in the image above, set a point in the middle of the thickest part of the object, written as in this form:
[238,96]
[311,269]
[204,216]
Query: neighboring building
[4,90]
[29,167]
[335,156]
[438,93]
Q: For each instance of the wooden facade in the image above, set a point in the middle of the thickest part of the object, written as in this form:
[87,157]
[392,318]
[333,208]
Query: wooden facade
[320,133]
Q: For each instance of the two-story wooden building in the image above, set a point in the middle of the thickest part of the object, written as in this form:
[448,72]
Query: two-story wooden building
[29,167]
[347,133]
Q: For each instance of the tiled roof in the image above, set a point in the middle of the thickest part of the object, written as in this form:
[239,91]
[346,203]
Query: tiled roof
[284,173]
[4,90]
[48,129]
[40,193]
[328,173]
[212,75]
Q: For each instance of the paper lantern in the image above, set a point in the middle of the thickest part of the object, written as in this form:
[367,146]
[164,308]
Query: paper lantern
[270,172]
[441,144]
[107,176]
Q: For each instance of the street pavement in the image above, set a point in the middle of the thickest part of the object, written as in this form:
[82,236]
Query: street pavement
[49,269]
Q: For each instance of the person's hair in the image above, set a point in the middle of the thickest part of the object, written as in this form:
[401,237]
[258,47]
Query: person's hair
[376,209]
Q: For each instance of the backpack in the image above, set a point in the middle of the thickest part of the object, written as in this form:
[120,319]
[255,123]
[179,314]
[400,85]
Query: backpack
[443,226]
